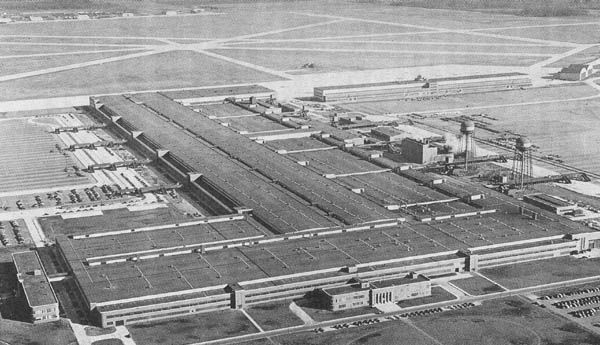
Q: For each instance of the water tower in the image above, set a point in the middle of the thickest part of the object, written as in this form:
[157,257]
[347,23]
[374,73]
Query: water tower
[522,162]
[467,128]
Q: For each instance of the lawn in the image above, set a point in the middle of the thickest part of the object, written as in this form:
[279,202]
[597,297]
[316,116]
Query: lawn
[54,333]
[356,61]
[504,321]
[476,285]
[407,47]
[161,71]
[27,49]
[542,271]
[192,329]
[274,315]
[108,342]
[575,33]
[438,294]
[201,26]
[16,65]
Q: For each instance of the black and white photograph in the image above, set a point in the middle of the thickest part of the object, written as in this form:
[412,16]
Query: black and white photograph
[300,172]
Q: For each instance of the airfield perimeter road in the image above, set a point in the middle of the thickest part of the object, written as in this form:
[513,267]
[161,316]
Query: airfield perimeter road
[472,299]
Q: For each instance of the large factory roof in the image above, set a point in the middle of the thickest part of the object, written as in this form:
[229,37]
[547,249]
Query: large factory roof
[328,196]
[269,202]
[33,279]
[216,268]
[217,92]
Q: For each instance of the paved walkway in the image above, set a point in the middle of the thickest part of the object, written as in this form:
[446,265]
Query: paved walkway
[299,312]
[120,332]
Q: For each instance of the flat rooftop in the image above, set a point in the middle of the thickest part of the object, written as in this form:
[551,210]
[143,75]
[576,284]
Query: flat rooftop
[418,82]
[217,92]
[35,283]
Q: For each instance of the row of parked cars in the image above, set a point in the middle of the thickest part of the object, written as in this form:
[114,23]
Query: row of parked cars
[572,293]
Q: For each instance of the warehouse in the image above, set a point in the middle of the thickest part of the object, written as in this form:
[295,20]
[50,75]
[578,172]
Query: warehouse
[423,88]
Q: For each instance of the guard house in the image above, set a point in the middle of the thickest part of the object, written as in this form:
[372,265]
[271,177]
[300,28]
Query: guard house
[575,72]
[361,293]
[42,303]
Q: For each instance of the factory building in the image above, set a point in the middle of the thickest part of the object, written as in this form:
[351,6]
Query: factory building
[362,293]
[387,133]
[409,89]
[287,254]
[42,304]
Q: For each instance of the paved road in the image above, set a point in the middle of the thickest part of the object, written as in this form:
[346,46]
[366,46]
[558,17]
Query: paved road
[472,299]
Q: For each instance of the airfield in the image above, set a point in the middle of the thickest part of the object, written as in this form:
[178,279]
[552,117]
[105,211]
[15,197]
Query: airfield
[317,209]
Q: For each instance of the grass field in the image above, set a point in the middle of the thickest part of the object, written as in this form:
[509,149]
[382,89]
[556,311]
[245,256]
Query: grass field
[274,315]
[15,65]
[575,34]
[357,61]
[54,333]
[145,73]
[192,329]
[76,40]
[27,49]
[505,321]
[108,342]
[206,26]
[476,285]
[542,271]
[407,47]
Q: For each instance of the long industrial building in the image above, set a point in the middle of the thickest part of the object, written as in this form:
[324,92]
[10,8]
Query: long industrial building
[423,88]
[293,209]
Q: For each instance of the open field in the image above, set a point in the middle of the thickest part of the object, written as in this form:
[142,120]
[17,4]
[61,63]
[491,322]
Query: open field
[124,42]
[27,49]
[585,56]
[438,294]
[407,47]
[14,332]
[357,61]
[504,321]
[476,285]
[274,315]
[145,73]
[192,329]
[15,65]
[542,271]
[345,28]
[202,26]
[108,342]
[576,34]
